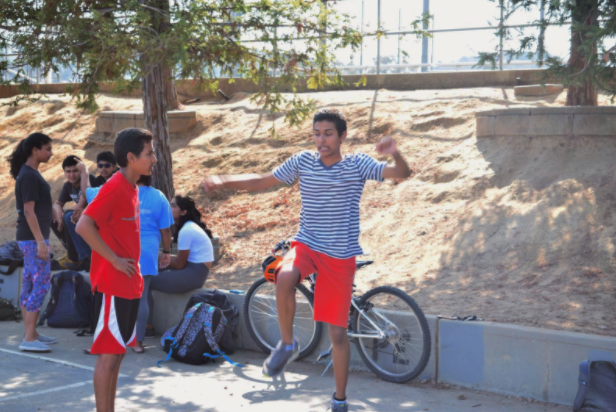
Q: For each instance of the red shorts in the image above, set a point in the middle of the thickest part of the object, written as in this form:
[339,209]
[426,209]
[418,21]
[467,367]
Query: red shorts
[334,286]
[116,325]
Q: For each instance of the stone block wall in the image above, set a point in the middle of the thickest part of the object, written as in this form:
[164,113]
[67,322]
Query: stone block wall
[547,121]
[114,121]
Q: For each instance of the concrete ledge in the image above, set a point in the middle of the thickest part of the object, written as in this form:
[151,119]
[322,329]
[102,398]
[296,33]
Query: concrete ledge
[412,81]
[515,360]
[547,121]
[537,89]
[114,121]
[168,309]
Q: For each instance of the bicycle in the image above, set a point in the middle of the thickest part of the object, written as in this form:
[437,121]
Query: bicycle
[388,327]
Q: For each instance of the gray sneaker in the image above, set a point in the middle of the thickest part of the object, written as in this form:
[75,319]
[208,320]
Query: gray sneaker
[279,358]
[336,406]
[35,346]
[47,340]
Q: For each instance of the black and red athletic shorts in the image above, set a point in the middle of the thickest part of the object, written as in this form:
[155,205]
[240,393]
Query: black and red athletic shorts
[115,329]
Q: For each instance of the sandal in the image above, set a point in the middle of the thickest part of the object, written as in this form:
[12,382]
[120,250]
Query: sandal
[137,351]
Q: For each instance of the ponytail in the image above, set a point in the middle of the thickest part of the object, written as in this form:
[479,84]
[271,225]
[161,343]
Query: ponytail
[24,149]
[192,215]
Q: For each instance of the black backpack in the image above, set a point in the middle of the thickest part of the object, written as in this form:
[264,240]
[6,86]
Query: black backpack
[597,387]
[70,303]
[11,256]
[202,335]
[8,311]
[219,300]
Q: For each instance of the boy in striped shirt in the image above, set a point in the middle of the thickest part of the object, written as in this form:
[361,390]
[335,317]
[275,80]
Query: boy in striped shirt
[327,242]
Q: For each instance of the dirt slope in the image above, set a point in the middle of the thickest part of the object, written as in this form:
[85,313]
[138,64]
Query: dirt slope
[511,230]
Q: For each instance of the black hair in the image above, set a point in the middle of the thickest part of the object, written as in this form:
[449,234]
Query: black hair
[131,140]
[106,156]
[69,161]
[185,203]
[331,115]
[24,149]
[145,180]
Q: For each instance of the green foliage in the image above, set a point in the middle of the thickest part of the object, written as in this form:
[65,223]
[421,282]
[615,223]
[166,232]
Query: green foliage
[116,41]
[593,49]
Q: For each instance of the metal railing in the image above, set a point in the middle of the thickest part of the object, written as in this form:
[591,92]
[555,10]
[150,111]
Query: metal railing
[34,74]
[500,29]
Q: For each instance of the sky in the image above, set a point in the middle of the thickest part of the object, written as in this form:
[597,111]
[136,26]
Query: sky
[448,14]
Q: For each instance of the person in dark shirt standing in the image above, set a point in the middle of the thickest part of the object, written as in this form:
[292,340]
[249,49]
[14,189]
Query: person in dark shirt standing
[33,201]
[78,251]
[107,166]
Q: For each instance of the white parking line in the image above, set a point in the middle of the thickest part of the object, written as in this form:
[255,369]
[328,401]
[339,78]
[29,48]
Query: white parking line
[60,388]
[45,358]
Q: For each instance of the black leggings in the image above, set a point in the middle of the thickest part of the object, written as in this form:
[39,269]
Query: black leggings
[192,277]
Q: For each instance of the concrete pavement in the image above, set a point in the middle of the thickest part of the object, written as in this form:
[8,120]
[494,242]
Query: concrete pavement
[61,381]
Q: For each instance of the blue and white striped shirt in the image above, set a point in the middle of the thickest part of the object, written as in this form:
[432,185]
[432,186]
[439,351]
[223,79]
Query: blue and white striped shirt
[329,220]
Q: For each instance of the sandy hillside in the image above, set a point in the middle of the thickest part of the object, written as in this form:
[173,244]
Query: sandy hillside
[511,230]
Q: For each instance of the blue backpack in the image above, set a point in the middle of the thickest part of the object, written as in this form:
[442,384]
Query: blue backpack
[597,387]
[202,336]
[70,303]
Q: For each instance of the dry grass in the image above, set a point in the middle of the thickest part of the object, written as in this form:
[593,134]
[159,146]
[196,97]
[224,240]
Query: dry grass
[515,231]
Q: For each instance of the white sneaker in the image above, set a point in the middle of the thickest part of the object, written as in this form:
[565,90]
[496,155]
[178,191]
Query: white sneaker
[35,346]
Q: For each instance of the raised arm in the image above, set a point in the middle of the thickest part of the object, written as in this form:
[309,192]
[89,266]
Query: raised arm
[84,185]
[400,169]
[250,182]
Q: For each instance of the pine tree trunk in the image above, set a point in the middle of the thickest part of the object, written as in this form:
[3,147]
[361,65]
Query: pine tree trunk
[171,95]
[155,114]
[585,93]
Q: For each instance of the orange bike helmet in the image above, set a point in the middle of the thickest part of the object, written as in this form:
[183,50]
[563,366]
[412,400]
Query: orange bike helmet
[269,266]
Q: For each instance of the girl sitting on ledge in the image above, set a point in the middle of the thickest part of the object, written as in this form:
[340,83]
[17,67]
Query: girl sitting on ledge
[190,268]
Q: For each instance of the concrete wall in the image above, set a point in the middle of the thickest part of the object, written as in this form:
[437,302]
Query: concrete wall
[413,81]
[514,360]
[547,121]
[114,121]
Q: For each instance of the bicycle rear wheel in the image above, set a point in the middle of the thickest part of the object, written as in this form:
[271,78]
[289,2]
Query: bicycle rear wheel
[261,317]
[404,352]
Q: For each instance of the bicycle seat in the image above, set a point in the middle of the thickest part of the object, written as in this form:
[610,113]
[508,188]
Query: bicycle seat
[361,263]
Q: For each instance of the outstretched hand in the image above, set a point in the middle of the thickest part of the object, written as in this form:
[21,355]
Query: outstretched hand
[212,183]
[387,146]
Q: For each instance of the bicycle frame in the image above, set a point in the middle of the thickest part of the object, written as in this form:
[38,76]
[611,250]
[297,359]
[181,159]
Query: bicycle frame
[354,302]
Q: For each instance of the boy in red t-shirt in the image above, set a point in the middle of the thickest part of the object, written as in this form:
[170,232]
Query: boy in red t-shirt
[110,225]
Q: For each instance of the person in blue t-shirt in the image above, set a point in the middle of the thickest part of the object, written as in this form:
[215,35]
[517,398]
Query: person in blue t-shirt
[155,220]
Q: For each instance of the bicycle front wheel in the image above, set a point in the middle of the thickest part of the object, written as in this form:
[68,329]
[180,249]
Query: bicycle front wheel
[261,317]
[404,351]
